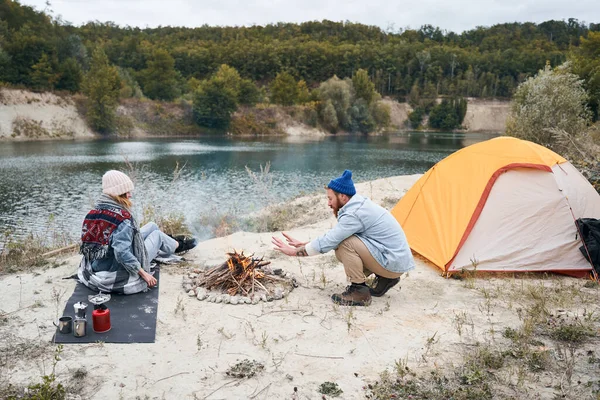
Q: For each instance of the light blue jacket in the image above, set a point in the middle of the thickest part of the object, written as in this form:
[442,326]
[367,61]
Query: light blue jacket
[377,229]
[120,252]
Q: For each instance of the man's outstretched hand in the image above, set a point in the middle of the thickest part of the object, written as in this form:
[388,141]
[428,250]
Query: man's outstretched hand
[282,247]
[293,242]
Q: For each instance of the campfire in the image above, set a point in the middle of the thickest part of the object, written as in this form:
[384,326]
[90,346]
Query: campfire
[240,279]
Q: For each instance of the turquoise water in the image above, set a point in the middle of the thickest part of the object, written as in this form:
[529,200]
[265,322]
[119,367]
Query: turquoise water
[56,183]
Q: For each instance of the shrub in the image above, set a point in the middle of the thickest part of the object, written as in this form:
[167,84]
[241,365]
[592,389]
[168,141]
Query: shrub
[553,99]
[416,117]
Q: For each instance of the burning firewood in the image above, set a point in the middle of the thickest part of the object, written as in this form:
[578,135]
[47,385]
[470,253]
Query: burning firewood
[240,274]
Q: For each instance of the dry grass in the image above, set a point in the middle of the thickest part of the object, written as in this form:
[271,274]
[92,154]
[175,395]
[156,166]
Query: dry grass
[543,357]
[156,118]
[26,253]
[29,128]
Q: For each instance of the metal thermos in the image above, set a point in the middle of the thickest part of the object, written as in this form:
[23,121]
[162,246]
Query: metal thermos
[80,309]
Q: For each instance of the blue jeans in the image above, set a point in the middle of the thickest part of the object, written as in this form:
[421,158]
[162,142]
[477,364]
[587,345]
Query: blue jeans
[156,242]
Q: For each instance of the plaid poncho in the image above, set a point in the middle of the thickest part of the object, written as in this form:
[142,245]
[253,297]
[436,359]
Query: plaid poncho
[98,226]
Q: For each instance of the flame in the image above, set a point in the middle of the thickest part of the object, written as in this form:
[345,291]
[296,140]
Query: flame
[243,270]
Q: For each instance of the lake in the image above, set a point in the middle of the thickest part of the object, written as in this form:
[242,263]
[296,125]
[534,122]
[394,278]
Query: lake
[49,186]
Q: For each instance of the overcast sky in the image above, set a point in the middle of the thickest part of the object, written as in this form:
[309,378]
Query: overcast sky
[456,15]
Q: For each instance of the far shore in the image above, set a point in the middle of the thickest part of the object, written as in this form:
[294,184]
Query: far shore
[48,116]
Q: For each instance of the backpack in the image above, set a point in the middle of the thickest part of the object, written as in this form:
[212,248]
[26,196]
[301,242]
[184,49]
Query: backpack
[589,229]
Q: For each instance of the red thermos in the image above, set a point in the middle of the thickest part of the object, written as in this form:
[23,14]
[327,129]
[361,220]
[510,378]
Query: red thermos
[101,320]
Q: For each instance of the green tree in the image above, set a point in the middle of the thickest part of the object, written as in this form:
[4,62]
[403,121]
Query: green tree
[449,114]
[214,103]
[361,119]
[363,87]
[43,76]
[442,116]
[329,117]
[284,89]
[230,78]
[552,100]
[160,79]
[71,75]
[5,67]
[381,114]
[303,92]
[129,86]
[586,64]
[340,94]
[249,93]
[101,85]
[416,117]
[460,109]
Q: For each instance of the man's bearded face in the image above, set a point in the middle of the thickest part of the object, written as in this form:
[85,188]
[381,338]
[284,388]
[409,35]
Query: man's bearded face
[334,202]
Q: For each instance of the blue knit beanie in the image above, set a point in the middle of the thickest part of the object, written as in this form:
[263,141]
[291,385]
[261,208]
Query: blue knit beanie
[343,184]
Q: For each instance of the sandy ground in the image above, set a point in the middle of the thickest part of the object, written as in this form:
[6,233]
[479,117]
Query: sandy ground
[302,340]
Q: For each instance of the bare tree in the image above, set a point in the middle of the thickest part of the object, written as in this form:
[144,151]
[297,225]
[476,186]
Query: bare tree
[423,57]
[453,64]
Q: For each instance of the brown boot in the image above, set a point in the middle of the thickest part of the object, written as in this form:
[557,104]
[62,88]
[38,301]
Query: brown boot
[354,295]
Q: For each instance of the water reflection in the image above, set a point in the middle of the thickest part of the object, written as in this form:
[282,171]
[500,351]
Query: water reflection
[62,179]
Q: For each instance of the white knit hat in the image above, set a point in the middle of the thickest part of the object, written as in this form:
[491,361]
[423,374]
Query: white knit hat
[115,183]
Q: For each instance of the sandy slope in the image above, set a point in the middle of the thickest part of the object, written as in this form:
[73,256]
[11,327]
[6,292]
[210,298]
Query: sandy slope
[41,115]
[303,340]
[486,115]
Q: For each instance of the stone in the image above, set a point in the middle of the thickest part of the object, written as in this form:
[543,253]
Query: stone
[289,377]
[211,298]
[278,294]
[234,299]
[218,299]
[193,276]
[201,294]
[267,270]
[226,298]
[187,287]
[255,300]
[191,293]
[245,300]
[263,297]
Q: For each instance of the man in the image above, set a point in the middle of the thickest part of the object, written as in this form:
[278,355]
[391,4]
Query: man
[367,239]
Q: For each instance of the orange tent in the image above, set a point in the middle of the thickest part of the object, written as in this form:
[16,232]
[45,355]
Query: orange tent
[500,205]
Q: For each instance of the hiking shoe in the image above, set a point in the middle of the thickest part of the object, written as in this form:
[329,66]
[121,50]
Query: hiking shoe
[185,243]
[383,285]
[355,295]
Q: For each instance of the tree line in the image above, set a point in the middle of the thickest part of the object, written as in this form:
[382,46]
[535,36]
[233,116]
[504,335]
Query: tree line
[42,52]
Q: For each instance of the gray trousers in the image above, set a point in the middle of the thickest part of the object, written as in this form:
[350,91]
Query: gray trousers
[156,242]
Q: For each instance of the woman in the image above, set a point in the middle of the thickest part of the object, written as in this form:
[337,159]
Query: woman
[116,252]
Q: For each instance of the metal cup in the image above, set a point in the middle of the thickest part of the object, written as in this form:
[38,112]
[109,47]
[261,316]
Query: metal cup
[79,327]
[64,324]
